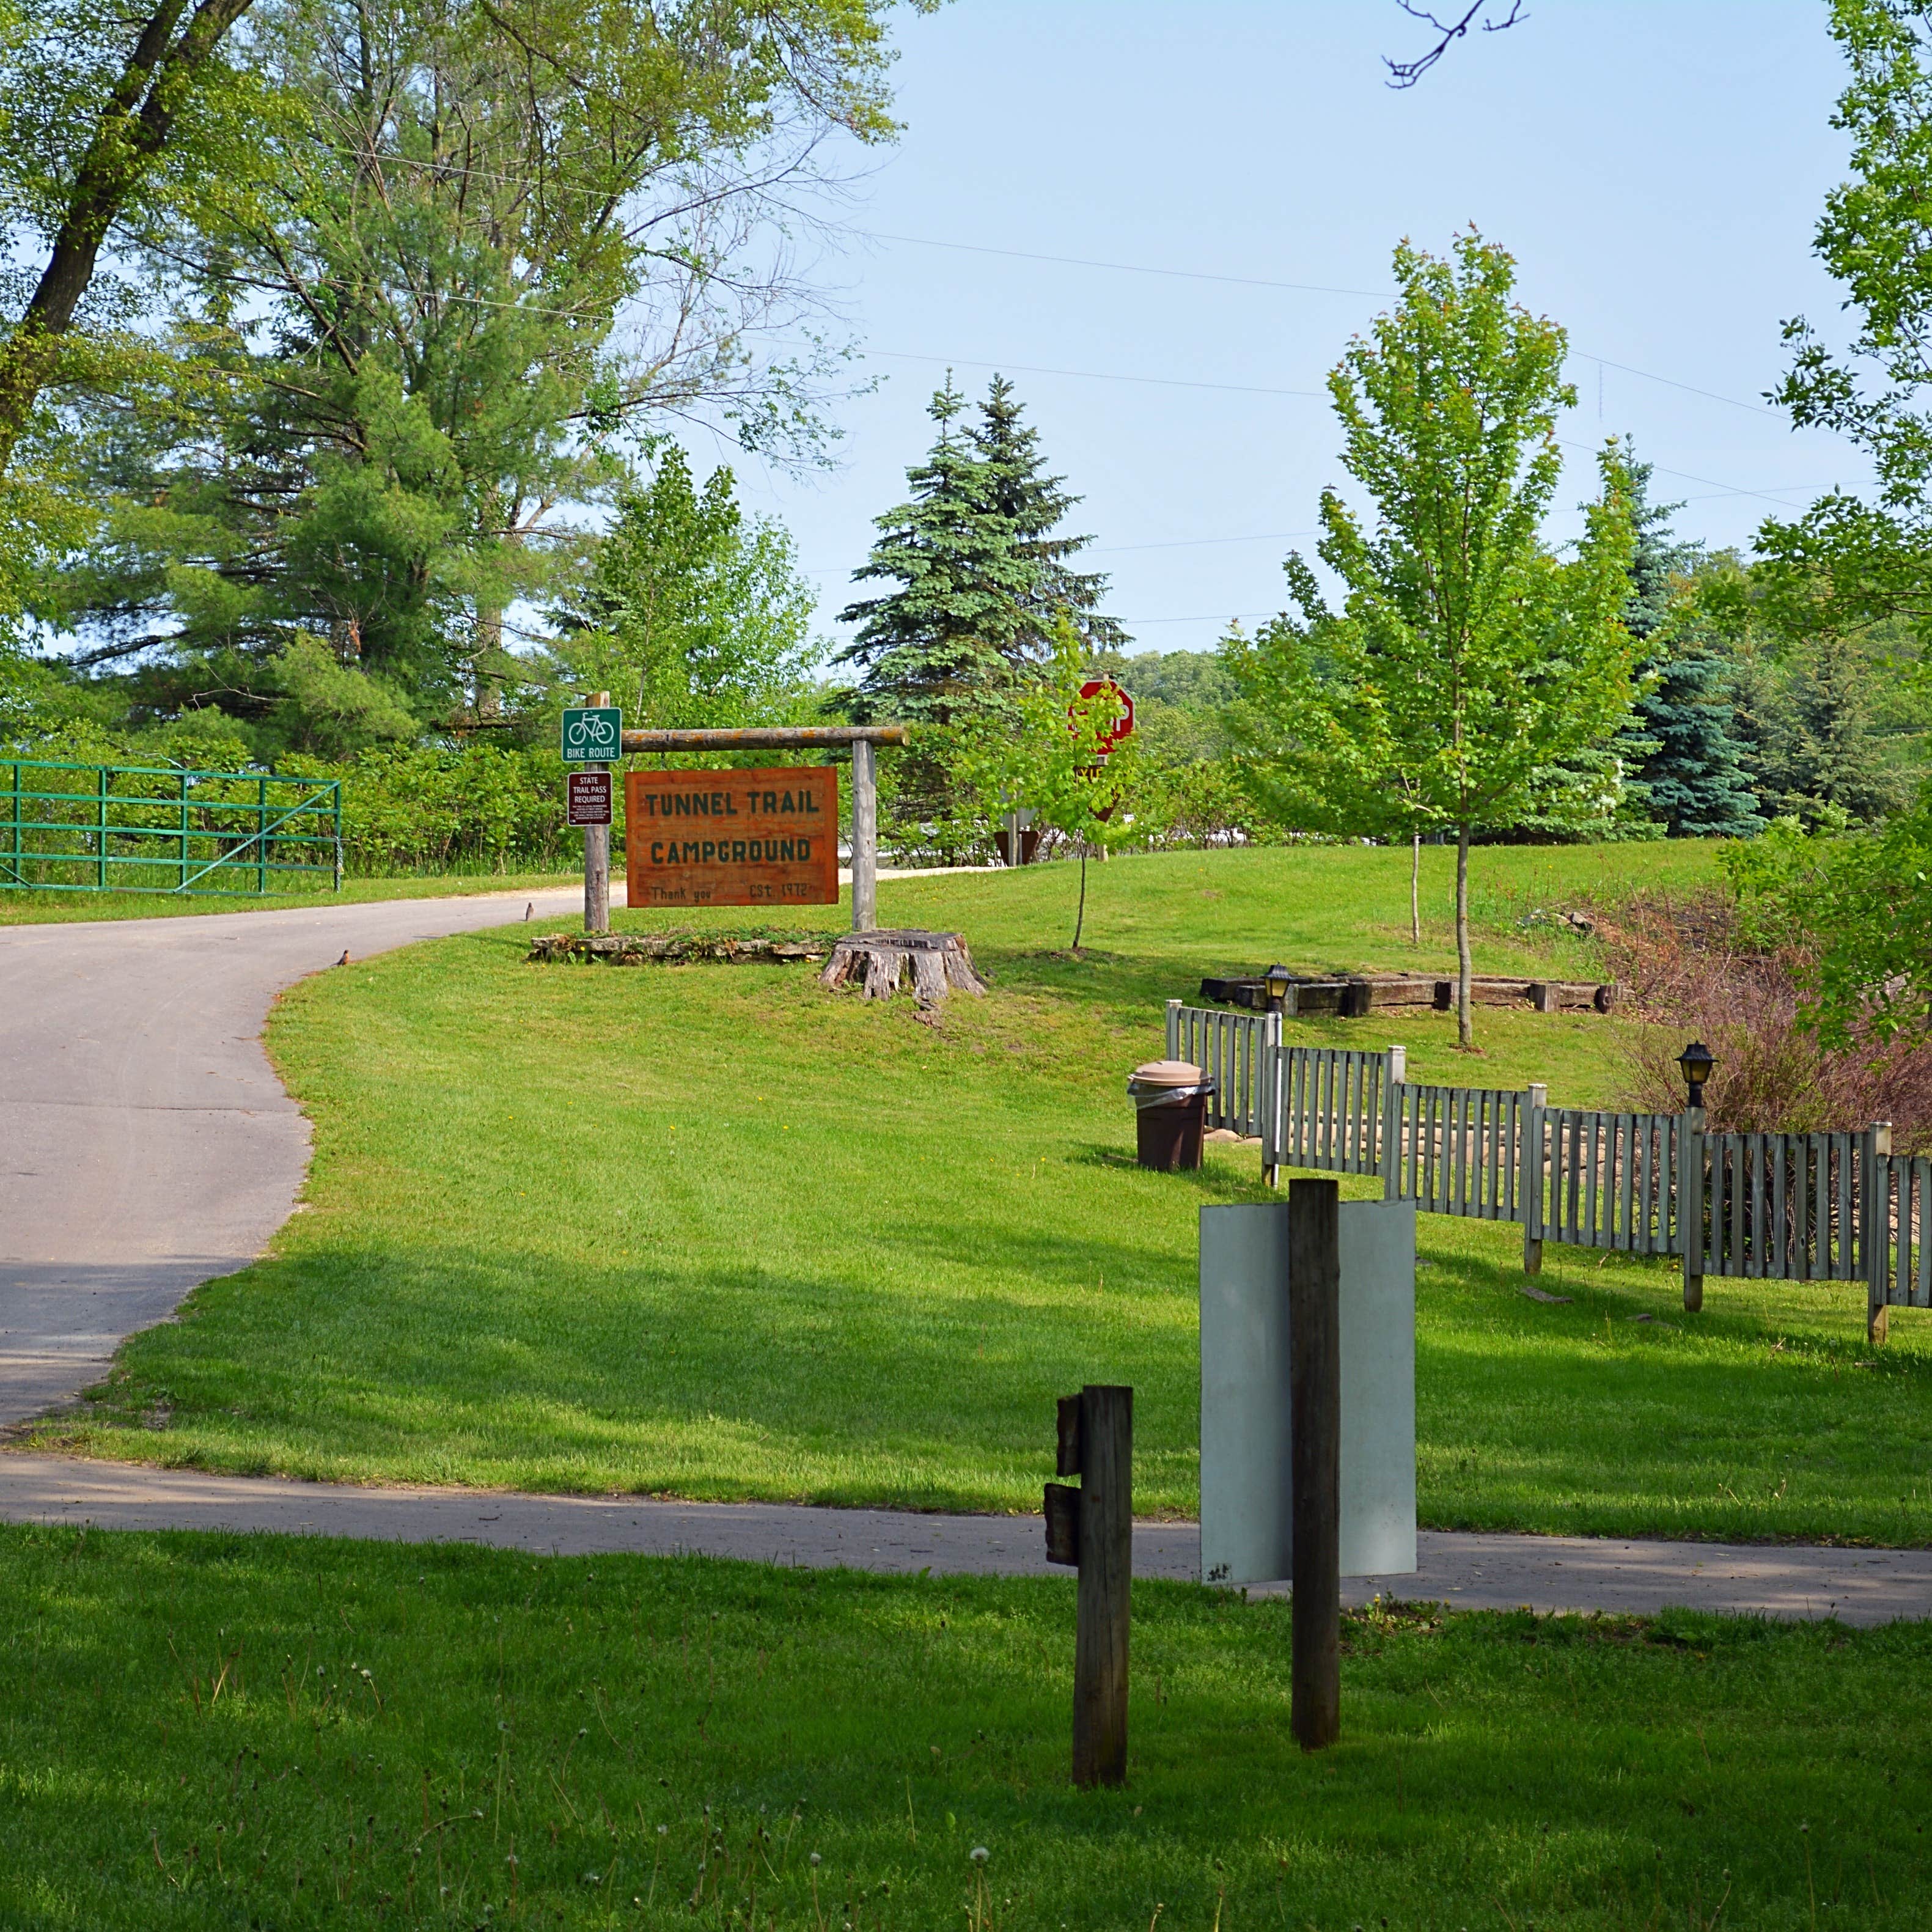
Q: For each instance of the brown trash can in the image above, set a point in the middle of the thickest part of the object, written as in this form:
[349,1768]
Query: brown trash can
[1170,1099]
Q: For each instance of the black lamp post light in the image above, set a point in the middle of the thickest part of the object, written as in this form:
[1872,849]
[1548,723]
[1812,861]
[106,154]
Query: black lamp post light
[1695,1063]
[1277,980]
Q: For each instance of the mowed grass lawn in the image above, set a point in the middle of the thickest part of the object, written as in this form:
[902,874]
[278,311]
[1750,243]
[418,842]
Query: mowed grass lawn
[203,1732]
[715,1232]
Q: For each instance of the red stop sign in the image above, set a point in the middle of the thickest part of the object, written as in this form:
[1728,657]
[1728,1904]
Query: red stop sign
[1124,722]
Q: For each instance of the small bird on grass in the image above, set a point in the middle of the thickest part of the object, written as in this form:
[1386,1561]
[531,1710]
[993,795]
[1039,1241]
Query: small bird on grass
[344,960]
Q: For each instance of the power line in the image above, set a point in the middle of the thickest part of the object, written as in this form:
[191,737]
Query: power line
[1197,543]
[1092,375]
[1207,617]
[1252,389]
[1131,268]
[1305,288]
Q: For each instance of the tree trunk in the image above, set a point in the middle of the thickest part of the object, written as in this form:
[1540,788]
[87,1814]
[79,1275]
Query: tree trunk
[1080,918]
[489,652]
[1465,1031]
[1415,892]
[133,129]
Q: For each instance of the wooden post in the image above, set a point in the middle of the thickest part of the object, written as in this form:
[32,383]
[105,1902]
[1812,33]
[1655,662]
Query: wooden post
[1269,1081]
[1092,1526]
[1690,1205]
[1389,1155]
[1314,1457]
[597,860]
[1878,1229]
[1529,1177]
[865,835]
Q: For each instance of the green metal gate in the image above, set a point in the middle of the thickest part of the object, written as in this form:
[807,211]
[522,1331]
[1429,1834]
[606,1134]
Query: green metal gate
[70,828]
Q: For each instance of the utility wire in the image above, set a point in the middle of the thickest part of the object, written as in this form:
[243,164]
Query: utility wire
[1093,375]
[1305,288]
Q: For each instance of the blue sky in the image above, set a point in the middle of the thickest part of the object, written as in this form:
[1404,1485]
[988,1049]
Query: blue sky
[1656,170]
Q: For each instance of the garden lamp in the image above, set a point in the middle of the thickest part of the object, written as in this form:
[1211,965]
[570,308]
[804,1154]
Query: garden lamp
[1695,1063]
[1277,980]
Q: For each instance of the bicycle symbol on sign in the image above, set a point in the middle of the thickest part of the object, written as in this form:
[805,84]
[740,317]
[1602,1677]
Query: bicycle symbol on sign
[590,734]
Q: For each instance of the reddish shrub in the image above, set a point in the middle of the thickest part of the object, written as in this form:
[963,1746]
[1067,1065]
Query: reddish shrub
[1686,970]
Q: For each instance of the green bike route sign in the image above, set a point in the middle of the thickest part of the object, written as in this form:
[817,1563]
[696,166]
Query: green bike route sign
[593,734]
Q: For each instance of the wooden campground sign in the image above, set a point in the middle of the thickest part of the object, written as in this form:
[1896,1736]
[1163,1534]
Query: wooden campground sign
[757,838]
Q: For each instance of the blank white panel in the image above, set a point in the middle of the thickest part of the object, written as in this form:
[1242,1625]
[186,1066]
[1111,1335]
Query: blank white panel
[1245,1493]
[1246,1496]
[1377,1388]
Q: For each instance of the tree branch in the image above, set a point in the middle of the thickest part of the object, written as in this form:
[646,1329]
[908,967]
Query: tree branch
[1406,73]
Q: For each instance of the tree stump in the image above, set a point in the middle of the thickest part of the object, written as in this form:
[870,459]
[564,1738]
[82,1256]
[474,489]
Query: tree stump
[935,962]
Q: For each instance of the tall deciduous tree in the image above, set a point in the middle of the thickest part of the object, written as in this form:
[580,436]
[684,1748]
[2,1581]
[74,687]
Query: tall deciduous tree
[114,118]
[1467,659]
[499,237]
[1850,560]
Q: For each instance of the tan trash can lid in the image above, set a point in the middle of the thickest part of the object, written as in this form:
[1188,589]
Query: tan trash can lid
[1168,1073]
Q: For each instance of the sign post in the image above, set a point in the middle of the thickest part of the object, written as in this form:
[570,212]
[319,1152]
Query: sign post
[593,736]
[865,835]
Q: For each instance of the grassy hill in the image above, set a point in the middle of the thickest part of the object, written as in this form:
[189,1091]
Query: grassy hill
[711,1230]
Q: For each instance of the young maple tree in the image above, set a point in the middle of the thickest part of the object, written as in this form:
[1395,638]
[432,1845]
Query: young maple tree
[1056,756]
[1468,660]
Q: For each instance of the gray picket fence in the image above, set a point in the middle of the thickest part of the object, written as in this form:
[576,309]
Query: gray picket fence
[1457,1150]
[1605,1180]
[1788,1207]
[1239,1052]
[1900,1210]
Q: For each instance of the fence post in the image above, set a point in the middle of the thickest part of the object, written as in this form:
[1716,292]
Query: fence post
[1690,1204]
[1173,1029]
[335,794]
[1529,1174]
[1270,1100]
[1395,1072]
[1314,1460]
[100,854]
[1876,1150]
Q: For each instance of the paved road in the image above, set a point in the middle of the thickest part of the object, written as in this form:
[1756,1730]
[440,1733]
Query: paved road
[146,1144]
[1548,1573]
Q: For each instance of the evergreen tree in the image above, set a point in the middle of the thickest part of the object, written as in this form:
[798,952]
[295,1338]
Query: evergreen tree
[1035,505]
[943,642]
[1819,750]
[1690,767]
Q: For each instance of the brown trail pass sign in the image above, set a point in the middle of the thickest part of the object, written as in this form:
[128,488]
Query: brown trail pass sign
[587,798]
[761,837]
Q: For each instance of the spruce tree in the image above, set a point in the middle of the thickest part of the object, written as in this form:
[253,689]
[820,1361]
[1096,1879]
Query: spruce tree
[1035,505]
[941,643]
[1819,750]
[1690,767]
